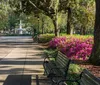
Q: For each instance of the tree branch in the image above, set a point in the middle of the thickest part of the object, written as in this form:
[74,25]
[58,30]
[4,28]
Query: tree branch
[34,5]
[41,10]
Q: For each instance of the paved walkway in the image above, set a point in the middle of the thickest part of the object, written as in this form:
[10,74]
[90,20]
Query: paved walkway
[20,61]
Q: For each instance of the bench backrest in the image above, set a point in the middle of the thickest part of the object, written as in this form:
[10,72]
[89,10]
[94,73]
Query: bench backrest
[88,79]
[63,62]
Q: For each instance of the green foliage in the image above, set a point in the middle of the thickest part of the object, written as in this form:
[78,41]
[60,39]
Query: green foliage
[8,18]
[62,20]
[46,23]
[75,69]
[83,15]
[45,38]
[12,21]
[3,15]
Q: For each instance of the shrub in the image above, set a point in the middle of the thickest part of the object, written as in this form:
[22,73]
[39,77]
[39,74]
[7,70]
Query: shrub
[74,68]
[45,38]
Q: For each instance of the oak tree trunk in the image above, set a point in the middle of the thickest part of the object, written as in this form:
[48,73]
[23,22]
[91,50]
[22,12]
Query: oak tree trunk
[95,55]
[55,22]
[83,30]
[42,26]
[69,21]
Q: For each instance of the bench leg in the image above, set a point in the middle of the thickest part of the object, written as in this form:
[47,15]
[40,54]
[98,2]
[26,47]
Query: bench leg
[44,73]
[37,80]
[44,68]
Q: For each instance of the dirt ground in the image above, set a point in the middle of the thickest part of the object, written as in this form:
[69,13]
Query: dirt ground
[92,68]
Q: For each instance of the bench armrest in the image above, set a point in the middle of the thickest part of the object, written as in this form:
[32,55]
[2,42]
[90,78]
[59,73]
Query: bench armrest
[62,81]
[45,59]
[48,58]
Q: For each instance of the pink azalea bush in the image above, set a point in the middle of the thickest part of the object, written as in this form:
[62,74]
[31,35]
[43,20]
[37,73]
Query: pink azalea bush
[56,42]
[72,47]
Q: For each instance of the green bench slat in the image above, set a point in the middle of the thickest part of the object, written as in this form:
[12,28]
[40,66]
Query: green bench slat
[89,79]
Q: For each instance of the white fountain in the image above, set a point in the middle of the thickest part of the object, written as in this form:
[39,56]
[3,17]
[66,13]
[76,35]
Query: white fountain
[20,30]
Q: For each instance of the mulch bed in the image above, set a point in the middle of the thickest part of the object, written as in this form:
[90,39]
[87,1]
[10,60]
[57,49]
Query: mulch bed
[87,65]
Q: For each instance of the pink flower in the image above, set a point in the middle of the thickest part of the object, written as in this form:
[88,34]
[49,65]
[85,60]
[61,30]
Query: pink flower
[73,48]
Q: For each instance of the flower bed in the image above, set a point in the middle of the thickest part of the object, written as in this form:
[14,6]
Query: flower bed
[78,48]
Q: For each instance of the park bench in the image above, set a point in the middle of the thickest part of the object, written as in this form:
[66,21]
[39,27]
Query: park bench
[86,78]
[57,68]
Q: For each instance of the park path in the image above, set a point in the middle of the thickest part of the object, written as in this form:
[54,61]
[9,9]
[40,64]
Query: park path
[20,60]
